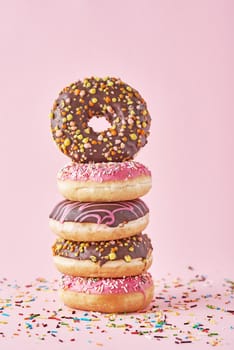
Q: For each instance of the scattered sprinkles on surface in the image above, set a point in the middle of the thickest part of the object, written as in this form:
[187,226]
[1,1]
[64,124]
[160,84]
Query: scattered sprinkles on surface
[184,310]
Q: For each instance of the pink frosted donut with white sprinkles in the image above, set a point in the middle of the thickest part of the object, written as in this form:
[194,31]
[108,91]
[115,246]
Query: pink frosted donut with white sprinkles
[126,294]
[104,182]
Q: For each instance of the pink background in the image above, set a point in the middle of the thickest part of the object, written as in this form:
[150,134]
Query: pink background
[179,55]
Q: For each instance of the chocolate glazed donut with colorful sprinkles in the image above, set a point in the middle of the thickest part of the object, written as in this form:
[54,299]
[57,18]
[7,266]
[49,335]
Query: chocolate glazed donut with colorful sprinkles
[120,104]
[116,258]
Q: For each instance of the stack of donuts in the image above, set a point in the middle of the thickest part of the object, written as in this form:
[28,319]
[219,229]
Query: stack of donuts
[100,248]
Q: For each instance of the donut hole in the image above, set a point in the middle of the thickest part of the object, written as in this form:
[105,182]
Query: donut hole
[99,124]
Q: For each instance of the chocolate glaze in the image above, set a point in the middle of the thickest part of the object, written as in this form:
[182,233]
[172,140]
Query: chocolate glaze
[121,105]
[134,247]
[111,214]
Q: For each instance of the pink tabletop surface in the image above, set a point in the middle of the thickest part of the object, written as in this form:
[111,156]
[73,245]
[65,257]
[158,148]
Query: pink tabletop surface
[179,55]
[192,310]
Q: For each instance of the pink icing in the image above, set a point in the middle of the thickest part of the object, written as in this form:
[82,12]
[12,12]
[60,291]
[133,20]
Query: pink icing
[100,172]
[108,285]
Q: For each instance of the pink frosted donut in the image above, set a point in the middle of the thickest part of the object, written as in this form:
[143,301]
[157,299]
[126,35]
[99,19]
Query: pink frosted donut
[104,182]
[126,294]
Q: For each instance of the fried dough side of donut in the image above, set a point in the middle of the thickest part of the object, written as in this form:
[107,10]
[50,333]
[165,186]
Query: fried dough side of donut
[113,269]
[108,303]
[93,232]
[110,191]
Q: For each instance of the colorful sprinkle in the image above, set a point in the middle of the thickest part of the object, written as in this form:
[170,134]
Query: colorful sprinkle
[33,311]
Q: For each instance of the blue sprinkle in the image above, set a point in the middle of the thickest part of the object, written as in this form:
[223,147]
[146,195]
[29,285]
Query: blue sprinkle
[85,319]
[5,314]
[28,325]
[159,325]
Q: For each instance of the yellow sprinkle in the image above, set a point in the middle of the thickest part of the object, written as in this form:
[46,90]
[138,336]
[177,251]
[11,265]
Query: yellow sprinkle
[64,120]
[80,137]
[51,115]
[87,130]
[67,142]
[93,258]
[127,258]
[112,256]
[92,91]
[133,137]
[144,124]
[110,83]
[114,99]
[85,140]
[128,88]
[87,83]
[94,100]
[69,117]
[144,112]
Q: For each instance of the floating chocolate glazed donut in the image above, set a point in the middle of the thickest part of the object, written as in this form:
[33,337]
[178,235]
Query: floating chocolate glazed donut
[121,105]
